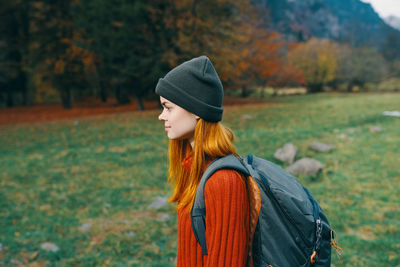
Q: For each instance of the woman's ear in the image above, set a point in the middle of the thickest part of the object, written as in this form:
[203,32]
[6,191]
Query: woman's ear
[196,117]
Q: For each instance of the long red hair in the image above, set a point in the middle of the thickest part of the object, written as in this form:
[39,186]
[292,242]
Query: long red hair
[211,140]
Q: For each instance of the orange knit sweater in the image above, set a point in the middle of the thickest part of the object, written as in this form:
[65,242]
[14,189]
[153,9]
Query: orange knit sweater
[227,223]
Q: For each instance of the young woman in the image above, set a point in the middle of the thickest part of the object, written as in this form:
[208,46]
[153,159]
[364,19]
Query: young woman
[191,95]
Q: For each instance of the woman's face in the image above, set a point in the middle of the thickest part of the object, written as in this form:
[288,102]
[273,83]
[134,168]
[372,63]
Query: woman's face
[179,123]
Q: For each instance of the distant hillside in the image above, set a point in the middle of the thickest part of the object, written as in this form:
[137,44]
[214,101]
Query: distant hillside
[350,21]
[393,21]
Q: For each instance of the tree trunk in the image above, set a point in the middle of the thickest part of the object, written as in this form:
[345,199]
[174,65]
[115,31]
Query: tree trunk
[140,103]
[350,87]
[274,91]
[121,96]
[103,93]
[66,98]
[10,99]
[25,98]
[245,92]
[315,87]
[101,84]
[117,93]
[19,85]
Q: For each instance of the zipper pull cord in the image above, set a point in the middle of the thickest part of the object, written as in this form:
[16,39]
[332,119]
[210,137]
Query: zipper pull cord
[338,249]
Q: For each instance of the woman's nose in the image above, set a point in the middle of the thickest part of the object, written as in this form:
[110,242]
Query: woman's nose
[161,117]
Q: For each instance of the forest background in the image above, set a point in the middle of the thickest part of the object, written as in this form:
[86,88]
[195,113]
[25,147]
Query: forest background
[71,51]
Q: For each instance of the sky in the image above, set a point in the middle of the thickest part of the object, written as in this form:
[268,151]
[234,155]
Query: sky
[385,8]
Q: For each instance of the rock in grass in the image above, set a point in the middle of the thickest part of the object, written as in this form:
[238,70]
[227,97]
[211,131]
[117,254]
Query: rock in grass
[15,262]
[374,129]
[321,147]
[85,227]
[48,246]
[1,247]
[130,234]
[306,166]
[247,117]
[126,222]
[352,130]
[164,217]
[287,153]
[158,203]
[394,113]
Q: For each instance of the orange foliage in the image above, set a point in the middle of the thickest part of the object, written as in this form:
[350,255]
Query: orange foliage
[317,59]
[62,53]
[232,33]
[256,53]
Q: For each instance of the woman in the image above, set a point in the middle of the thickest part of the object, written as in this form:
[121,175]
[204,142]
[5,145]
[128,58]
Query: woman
[191,95]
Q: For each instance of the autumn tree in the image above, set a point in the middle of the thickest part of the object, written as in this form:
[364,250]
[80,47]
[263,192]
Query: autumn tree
[317,59]
[233,33]
[258,60]
[194,28]
[199,27]
[127,42]
[54,43]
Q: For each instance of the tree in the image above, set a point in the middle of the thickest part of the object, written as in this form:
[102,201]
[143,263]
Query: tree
[395,69]
[14,30]
[232,33]
[358,66]
[54,43]
[127,42]
[259,60]
[317,59]
[390,49]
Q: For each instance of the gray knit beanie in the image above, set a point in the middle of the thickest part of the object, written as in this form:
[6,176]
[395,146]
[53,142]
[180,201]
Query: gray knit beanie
[195,86]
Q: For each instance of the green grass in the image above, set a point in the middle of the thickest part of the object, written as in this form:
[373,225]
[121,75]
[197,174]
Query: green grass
[57,176]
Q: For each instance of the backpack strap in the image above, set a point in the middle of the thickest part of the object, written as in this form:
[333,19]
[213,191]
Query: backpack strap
[198,212]
[255,207]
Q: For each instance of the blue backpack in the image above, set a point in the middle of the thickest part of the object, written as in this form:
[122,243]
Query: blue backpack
[290,230]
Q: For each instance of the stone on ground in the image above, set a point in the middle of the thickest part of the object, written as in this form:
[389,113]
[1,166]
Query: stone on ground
[375,129]
[85,227]
[306,166]
[158,203]
[48,246]
[321,147]
[287,153]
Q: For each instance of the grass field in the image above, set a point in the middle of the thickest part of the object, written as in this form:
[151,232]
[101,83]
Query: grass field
[85,184]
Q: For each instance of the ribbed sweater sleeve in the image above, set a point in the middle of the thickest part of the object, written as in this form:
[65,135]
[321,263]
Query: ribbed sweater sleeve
[227,219]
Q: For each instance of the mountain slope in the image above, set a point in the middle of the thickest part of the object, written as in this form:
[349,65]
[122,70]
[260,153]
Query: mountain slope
[393,21]
[350,21]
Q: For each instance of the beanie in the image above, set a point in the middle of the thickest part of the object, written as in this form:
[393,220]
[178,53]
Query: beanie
[195,86]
